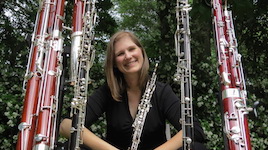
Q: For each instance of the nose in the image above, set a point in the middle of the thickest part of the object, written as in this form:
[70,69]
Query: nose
[127,55]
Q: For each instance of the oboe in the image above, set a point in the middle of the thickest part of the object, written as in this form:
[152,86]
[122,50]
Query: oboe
[143,109]
[183,74]
[233,89]
[82,58]
[42,79]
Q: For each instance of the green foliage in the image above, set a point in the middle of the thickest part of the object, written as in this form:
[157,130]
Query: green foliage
[16,22]
[13,52]
[155,23]
[250,22]
[251,26]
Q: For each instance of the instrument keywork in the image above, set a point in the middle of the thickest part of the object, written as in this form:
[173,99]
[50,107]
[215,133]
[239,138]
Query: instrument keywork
[183,73]
[82,58]
[43,79]
[232,82]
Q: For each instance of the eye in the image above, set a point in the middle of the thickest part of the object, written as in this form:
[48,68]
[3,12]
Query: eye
[120,54]
[132,48]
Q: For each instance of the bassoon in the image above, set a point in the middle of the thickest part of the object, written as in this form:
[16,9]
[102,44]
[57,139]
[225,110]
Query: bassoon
[183,73]
[232,82]
[42,79]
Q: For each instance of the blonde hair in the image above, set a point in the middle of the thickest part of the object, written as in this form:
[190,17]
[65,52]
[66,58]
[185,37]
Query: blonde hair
[115,78]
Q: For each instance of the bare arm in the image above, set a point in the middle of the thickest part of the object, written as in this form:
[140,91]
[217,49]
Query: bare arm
[172,144]
[89,138]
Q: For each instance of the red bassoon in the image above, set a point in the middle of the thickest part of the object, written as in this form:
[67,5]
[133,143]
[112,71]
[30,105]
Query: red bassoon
[42,79]
[232,83]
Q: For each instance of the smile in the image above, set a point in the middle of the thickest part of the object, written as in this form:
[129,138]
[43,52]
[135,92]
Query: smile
[130,63]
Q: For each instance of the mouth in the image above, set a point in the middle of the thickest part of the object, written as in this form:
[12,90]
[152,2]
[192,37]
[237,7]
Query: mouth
[130,63]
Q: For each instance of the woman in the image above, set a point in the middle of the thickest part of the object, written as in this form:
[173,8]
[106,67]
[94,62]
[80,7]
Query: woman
[126,69]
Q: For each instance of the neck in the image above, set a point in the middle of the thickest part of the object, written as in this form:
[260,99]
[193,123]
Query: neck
[132,82]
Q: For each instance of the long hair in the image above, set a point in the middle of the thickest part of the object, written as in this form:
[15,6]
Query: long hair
[115,78]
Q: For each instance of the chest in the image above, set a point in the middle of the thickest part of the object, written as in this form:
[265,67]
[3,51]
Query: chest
[133,102]
[119,117]
[119,124]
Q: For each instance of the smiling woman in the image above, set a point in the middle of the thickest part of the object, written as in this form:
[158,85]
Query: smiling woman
[128,57]
[126,70]
[116,52]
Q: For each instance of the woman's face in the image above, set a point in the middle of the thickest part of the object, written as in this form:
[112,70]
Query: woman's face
[128,56]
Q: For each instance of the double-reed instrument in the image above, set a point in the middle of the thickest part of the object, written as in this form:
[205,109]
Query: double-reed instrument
[183,73]
[42,79]
[143,109]
[232,83]
[82,58]
[38,127]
